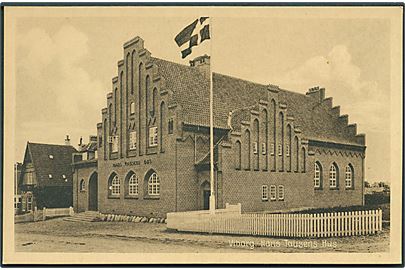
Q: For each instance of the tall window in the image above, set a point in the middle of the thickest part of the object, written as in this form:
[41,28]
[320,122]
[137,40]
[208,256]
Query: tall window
[349,176]
[317,175]
[288,146]
[264,131]
[132,71]
[281,144]
[303,160]
[297,153]
[162,124]
[147,96]
[82,185]
[273,192]
[153,185]
[154,100]
[140,98]
[333,176]
[280,192]
[273,117]
[153,136]
[110,116]
[115,186]
[256,138]
[115,142]
[238,155]
[29,202]
[246,153]
[265,193]
[116,105]
[170,126]
[132,140]
[133,185]
[132,108]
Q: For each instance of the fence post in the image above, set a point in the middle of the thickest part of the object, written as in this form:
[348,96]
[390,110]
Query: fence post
[43,213]
[71,211]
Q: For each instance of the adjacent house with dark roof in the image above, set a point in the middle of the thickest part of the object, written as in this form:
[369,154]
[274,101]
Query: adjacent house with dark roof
[46,176]
[274,149]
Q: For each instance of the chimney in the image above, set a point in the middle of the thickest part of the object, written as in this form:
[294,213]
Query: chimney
[81,141]
[202,63]
[67,140]
[92,138]
[317,93]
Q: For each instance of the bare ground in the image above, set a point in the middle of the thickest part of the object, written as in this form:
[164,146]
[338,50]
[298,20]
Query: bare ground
[62,236]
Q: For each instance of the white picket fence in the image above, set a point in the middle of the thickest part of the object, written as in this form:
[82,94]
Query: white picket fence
[282,225]
[57,212]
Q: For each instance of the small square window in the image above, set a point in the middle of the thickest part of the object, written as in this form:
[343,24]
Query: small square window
[273,192]
[264,148]
[50,156]
[287,150]
[280,192]
[63,176]
[255,148]
[265,193]
[170,126]
[50,176]
[280,149]
[272,149]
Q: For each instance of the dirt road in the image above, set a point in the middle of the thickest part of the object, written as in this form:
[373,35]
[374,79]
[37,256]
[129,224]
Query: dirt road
[62,236]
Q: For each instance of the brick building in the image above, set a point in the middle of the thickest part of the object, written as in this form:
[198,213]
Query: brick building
[46,176]
[274,149]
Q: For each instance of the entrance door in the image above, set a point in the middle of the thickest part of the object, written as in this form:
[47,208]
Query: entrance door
[206,195]
[93,192]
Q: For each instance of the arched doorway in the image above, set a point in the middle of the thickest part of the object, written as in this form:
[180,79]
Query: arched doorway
[205,195]
[93,192]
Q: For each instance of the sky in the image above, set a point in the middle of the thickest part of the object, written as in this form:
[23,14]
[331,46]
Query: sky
[65,60]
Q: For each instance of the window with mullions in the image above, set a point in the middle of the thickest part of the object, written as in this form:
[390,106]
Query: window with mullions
[153,185]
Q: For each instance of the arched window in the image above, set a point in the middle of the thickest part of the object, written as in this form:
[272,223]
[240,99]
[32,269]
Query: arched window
[247,149]
[132,108]
[154,100]
[82,185]
[256,144]
[162,124]
[238,155]
[127,72]
[140,98]
[132,71]
[273,117]
[153,185]
[303,160]
[121,111]
[297,153]
[265,136]
[147,95]
[318,175]
[288,148]
[133,184]
[333,176]
[349,176]
[115,105]
[281,142]
[115,186]
[105,139]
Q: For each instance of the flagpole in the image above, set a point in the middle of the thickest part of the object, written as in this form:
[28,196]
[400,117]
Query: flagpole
[212,182]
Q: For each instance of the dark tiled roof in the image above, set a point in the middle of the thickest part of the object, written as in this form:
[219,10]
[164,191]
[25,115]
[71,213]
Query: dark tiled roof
[57,166]
[190,89]
[90,147]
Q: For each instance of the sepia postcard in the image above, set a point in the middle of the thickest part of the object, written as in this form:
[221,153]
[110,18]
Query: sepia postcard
[202,134]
